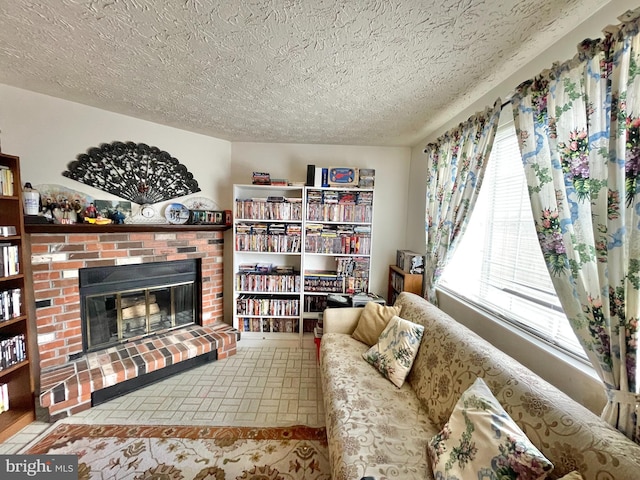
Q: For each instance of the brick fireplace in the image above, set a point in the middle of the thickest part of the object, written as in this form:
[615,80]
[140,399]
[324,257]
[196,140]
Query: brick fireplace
[69,378]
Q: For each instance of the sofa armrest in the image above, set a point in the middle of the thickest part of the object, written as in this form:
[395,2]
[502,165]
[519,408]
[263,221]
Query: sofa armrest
[341,320]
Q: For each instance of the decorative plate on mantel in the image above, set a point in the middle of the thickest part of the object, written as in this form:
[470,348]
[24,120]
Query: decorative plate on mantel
[201,203]
[176,213]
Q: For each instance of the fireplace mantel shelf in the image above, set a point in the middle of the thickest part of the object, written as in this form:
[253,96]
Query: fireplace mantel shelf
[112,228]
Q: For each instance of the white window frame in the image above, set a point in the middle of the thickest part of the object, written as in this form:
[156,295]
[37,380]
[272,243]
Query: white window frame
[491,299]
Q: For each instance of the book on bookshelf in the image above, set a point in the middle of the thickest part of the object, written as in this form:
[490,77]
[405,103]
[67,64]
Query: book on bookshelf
[324,281]
[268,325]
[268,208]
[267,283]
[10,304]
[263,305]
[261,178]
[9,259]
[6,181]
[13,350]
[4,398]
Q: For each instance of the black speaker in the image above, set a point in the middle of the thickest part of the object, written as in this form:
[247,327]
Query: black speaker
[311,174]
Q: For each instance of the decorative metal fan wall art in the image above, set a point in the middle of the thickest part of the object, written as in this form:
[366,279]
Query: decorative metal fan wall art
[133,171]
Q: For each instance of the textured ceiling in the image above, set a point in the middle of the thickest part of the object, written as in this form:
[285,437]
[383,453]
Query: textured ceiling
[359,72]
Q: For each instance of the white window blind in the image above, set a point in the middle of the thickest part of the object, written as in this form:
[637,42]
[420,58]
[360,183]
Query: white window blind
[498,265]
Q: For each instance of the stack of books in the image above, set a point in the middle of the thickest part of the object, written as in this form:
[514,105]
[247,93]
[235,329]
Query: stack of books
[9,263]
[10,303]
[6,181]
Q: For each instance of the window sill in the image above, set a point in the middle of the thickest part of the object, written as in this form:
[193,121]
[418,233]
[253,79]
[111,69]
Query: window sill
[575,376]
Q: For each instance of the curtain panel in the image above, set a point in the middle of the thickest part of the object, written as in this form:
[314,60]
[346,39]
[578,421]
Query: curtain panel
[578,128]
[456,163]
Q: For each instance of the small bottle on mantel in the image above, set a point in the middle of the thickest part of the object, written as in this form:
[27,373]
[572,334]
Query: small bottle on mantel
[31,200]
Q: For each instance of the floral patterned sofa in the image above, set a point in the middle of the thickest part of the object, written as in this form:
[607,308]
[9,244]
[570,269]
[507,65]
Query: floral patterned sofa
[377,430]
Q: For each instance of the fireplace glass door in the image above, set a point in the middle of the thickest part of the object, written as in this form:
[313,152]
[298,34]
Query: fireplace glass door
[116,317]
[131,301]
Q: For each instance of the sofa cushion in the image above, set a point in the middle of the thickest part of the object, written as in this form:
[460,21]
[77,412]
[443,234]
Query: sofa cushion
[572,476]
[373,320]
[571,436]
[450,358]
[480,440]
[366,436]
[396,348]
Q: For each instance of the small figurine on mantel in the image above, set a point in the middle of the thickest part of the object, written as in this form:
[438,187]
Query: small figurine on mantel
[77,207]
[91,211]
[47,208]
[66,214]
[117,216]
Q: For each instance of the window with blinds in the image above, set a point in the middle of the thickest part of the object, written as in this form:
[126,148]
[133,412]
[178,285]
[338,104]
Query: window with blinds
[498,265]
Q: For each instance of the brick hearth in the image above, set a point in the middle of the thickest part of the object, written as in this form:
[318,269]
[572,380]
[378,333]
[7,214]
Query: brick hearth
[56,259]
[67,389]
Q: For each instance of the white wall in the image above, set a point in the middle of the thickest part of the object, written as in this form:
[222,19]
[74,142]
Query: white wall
[569,377]
[47,133]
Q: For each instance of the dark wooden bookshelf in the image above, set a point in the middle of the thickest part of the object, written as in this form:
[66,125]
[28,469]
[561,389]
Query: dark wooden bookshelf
[19,377]
[401,281]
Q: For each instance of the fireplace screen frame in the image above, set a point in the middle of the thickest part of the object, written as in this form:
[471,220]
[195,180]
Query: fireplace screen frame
[143,279]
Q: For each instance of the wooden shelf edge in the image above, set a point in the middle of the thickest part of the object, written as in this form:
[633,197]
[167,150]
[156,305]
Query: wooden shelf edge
[13,368]
[270,335]
[7,278]
[14,420]
[11,321]
[88,228]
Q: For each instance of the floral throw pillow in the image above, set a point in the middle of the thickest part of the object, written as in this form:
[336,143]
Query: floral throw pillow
[480,440]
[396,349]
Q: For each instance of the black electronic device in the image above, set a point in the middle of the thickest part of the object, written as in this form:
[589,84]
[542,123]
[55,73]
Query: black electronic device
[338,301]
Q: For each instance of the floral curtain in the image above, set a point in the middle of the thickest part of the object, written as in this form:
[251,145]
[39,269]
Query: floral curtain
[578,128]
[456,166]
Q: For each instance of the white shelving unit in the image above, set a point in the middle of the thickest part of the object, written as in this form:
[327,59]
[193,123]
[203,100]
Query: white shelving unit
[338,244]
[267,262]
[293,246]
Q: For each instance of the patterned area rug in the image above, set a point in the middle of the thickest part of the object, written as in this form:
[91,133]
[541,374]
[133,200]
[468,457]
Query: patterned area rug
[181,452]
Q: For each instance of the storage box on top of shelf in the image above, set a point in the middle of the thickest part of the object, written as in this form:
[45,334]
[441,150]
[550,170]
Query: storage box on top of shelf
[343,177]
[410,261]
[366,177]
